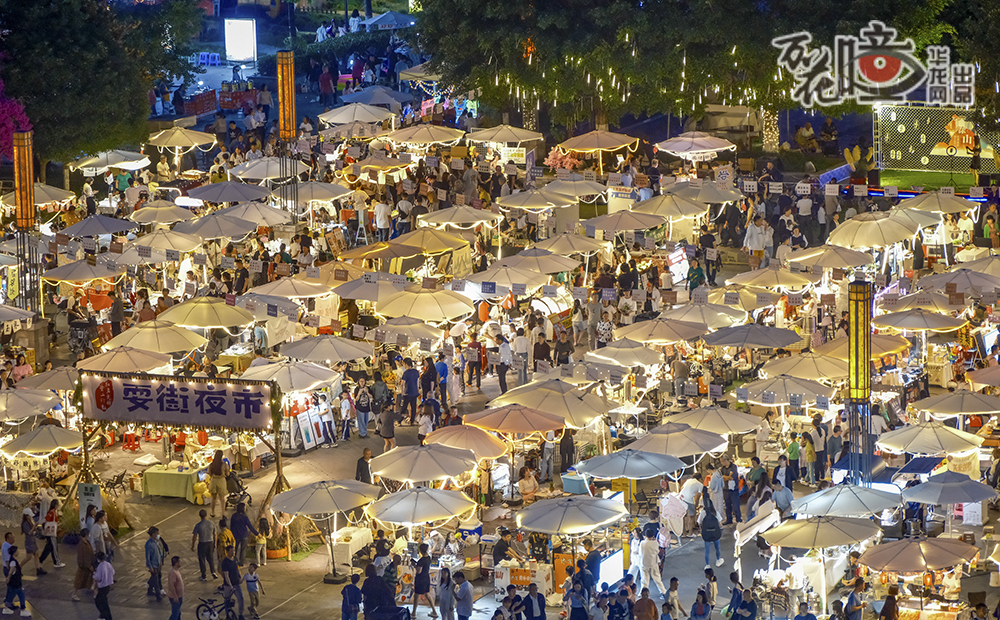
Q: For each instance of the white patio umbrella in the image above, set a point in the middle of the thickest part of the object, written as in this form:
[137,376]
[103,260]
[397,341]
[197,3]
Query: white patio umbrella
[937,202]
[846,500]
[959,402]
[558,398]
[627,353]
[631,464]
[783,386]
[229,191]
[258,212]
[62,378]
[809,365]
[458,216]
[425,134]
[169,240]
[626,220]
[918,319]
[10,313]
[830,257]
[565,244]
[419,506]
[292,288]
[718,420]
[503,275]
[882,345]
[577,187]
[24,402]
[97,225]
[312,191]
[680,440]
[167,214]
[872,230]
[708,193]
[696,146]
[45,439]
[180,137]
[752,335]
[501,133]
[158,336]
[928,439]
[714,315]
[292,376]
[431,241]
[570,516]
[417,463]
[44,194]
[540,261]
[376,291]
[355,112]
[597,140]
[433,305]
[206,312]
[671,206]
[327,348]
[821,532]
[662,331]
[390,20]
[125,359]
[922,219]
[748,300]
[217,227]
[926,300]
[949,487]
[378,96]
[536,200]
[963,279]
[515,419]
[482,444]
[267,168]
[354,129]
[420,73]
[325,497]
[328,273]
[989,265]
[984,377]
[81,271]
[771,279]
[380,250]
[96,164]
[414,329]
[918,555]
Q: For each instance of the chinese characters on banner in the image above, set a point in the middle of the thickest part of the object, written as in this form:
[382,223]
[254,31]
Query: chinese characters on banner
[875,67]
[231,403]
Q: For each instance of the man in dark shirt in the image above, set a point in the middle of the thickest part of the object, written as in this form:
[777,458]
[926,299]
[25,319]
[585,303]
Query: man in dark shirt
[231,578]
[707,242]
[363,473]
[748,608]
[731,490]
[604,280]
[502,549]
[542,350]
[242,279]
[586,578]
[564,349]
[411,389]
[382,545]
[621,609]
[593,559]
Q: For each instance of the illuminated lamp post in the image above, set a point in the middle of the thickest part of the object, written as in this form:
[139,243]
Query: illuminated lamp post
[287,126]
[25,220]
[859,381]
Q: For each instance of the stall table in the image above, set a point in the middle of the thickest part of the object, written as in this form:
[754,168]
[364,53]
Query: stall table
[344,549]
[158,480]
[915,609]
[521,577]
[201,104]
[236,99]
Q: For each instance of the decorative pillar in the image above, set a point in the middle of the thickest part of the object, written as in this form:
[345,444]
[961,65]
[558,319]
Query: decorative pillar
[25,221]
[859,381]
[287,128]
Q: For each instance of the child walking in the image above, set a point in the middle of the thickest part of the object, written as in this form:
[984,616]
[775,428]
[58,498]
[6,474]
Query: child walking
[254,589]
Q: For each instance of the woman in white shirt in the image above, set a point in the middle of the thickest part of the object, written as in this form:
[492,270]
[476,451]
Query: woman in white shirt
[527,486]
[306,126]
[425,422]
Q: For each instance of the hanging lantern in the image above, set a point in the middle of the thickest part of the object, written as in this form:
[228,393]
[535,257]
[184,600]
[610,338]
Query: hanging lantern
[928,580]
[884,578]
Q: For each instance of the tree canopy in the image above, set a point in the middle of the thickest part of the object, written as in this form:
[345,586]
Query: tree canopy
[620,57]
[83,69]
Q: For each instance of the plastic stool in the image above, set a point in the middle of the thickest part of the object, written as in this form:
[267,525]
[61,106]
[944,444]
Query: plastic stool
[214,59]
[203,58]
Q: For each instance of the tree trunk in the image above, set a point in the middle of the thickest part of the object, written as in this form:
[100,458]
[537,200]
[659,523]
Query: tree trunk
[368,9]
[43,165]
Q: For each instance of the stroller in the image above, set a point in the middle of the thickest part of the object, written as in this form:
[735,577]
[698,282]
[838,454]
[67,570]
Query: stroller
[237,491]
[81,336]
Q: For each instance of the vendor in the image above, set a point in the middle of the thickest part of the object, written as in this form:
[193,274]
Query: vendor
[851,573]
[527,486]
[503,550]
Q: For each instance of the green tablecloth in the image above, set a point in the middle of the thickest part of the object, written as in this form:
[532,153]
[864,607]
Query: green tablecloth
[169,483]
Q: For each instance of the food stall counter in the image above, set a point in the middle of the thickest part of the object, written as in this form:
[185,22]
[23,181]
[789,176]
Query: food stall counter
[349,540]
[917,609]
[823,573]
[521,574]
[159,480]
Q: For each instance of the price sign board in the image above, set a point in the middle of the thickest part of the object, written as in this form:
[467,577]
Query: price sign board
[731,298]
[767,398]
[742,394]
[823,402]
[795,400]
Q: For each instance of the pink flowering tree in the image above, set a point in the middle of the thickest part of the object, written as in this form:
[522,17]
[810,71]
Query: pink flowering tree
[12,118]
[557,158]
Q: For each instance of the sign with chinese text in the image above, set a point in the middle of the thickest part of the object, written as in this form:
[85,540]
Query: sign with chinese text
[873,68]
[164,400]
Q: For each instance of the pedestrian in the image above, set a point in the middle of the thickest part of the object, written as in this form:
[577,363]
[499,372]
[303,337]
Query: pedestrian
[242,529]
[463,597]
[351,599]
[446,594]
[175,588]
[50,530]
[673,596]
[84,579]
[218,470]
[363,471]
[260,543]
[347,413]
[254,589]
[28,528]
[204,539]
[567,450]
[14,584]
[711,587]
[224,539]
[231,579]
[645,608]
[711,531]
[731,490]
[154,564]
[426,422]
[411,389]
[649,553]
[422,581]
[363,400]
[104,578]
[701,610]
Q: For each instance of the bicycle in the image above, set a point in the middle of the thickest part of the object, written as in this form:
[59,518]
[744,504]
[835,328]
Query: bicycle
[209,610]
